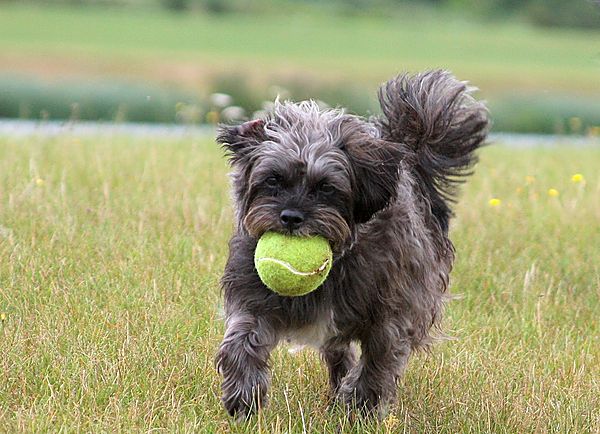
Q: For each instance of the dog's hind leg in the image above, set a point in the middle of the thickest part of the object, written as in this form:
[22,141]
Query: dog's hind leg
[340,357]
[243,360]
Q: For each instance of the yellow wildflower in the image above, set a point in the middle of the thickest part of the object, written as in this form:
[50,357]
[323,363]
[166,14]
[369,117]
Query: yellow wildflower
[39,182]
[530,179]
[2,317]
[553,192]
[494,202]
[577,178]
[391,423]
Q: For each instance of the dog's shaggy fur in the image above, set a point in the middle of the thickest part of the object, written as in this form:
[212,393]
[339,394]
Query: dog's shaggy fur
[380,191]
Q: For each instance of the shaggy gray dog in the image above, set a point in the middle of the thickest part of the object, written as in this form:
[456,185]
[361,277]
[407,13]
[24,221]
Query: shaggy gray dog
[380,191]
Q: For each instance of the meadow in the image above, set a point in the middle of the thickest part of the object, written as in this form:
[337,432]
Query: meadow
[110,254]
[499,56]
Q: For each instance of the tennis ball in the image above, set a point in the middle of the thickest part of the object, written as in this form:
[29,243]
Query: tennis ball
[292,266]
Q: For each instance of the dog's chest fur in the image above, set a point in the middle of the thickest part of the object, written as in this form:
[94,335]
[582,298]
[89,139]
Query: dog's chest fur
[312,335]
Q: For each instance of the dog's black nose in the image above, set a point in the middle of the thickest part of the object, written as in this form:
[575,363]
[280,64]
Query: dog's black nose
[291,218]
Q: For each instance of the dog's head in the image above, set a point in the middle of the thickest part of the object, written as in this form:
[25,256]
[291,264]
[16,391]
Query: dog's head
[306,171]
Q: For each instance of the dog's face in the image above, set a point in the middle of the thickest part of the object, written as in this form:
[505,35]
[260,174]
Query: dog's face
[305,171]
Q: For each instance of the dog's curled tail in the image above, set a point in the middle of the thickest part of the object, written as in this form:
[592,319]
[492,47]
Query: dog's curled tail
[436,117]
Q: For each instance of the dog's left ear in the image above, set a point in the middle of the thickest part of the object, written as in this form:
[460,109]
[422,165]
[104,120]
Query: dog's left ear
[239,140]
[376,167]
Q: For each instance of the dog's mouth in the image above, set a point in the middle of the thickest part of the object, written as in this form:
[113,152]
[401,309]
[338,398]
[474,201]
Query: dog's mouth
[327,223]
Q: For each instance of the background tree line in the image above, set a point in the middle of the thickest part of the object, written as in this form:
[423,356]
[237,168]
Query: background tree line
[556,13]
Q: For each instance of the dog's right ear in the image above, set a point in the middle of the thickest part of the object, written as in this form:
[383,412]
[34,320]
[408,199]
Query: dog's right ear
[240,140]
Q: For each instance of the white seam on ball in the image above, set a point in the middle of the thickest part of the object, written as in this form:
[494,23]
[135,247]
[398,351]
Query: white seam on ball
[292,270]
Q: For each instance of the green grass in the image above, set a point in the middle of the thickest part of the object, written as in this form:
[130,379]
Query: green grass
[182,48]
[110,253]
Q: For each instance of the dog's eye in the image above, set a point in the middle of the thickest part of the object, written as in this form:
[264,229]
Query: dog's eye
[326,188]
[272,181]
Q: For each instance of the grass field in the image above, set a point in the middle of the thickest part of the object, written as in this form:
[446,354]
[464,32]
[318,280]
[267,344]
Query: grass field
[110,254]
[186,49]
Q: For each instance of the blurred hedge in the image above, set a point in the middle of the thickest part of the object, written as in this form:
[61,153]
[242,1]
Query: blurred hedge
[22,97]
[235,98]
[562,13]
[555,114]
[568,13]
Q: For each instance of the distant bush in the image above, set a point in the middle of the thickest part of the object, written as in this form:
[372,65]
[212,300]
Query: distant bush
[218,6]
[176,5]
[568,13]
[488,7]
[235,98]
[252,97]
[534,113]
[22,97]
[554,114]
[561,13]
[244,94]
[356,99]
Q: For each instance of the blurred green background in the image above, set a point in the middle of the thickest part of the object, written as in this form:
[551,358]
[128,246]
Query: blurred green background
[537,63]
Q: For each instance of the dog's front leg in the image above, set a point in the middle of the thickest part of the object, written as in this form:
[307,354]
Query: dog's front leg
[371,386]
[243,360]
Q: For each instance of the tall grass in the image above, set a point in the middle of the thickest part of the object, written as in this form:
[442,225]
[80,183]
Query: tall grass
[110,254]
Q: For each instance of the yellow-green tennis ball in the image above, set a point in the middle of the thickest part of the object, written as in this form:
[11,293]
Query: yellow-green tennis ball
[292,266]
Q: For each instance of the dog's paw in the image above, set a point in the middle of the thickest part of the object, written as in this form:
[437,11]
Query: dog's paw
[356,395]
[245,383]
[244,402]
[237,409]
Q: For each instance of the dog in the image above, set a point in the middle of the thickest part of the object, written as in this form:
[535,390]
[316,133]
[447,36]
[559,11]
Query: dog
[380,191]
